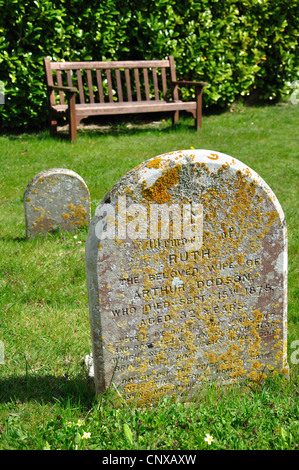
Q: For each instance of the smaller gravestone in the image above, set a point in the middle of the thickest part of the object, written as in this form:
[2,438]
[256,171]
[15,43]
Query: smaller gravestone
[56,198]
[186,264]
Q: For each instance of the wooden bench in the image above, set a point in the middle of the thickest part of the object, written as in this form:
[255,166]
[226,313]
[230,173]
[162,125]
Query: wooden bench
[116,87]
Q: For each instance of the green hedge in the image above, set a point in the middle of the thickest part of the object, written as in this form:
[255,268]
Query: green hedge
[240,47]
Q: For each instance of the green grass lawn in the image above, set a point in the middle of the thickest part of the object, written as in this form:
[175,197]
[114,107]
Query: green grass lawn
[46,398]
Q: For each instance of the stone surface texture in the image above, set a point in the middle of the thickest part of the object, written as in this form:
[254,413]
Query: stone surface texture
[167,316]
[56,198]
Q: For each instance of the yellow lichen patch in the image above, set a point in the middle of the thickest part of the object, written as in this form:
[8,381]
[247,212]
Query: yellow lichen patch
[158,191]
[238,371]
[155,163]
[240,258]
[212,357]
[256,376]
[110,348]
[277,332]
[143,367]
[258,316]
[39,219]
[254,350]
[160,358]
[80,212]
[278,356]
[141,335]
[78,215]
[131,388]
[232,334]
[256,365]
[213,156]
[273,215]
[65,216]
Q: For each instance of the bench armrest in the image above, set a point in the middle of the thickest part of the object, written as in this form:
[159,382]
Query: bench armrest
[189,83]
[70,89]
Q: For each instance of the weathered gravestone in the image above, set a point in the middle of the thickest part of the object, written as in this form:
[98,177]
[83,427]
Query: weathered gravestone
[196,293]
[56,198]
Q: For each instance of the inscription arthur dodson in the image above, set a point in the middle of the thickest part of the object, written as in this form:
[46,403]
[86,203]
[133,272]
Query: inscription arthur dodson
[190,308]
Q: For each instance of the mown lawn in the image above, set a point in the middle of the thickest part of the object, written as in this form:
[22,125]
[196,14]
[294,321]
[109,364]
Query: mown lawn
[46,398]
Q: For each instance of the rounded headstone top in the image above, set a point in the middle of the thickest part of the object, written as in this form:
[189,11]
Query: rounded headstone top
[162,175]
[54,172]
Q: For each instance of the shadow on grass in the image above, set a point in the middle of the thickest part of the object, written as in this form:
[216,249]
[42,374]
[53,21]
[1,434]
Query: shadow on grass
[115,125]
[44,237]
[133,124]
[11,238]
[47,389]
[127,129]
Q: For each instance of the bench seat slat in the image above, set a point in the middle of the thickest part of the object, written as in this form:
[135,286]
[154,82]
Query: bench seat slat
[129,107]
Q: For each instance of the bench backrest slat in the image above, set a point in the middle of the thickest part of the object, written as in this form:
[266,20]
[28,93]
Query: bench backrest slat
[90,88]
[164,83]
[49,81]
[59,83]
[175,89]
[155,82]
[128,84]
[119,85]
[146,84]
[69,77]
[80,86]
[100,86]
[137,84]
[109,81]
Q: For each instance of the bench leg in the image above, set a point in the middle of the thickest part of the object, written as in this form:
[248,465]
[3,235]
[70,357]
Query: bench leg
[53,127]
[72,118]
[175,117]
[198,94]
[73,130]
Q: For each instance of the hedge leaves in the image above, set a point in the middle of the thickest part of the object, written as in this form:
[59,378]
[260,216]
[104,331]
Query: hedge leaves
[241,48]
